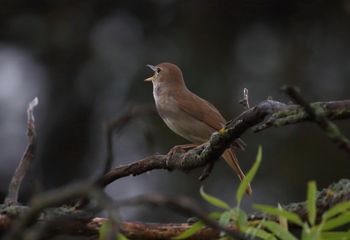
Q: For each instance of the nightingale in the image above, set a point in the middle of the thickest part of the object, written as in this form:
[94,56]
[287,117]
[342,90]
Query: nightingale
[188,115]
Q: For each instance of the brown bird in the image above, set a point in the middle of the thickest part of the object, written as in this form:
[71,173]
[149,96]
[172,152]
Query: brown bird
[188,115]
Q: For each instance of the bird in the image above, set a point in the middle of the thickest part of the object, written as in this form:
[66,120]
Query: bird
[187,114]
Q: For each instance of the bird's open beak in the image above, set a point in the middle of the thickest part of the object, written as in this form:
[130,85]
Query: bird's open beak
[149,79]
[154,69]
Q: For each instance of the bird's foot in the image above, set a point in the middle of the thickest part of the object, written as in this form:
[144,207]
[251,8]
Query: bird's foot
[180,149]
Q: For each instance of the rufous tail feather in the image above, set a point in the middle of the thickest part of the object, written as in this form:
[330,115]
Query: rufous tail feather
[232,161]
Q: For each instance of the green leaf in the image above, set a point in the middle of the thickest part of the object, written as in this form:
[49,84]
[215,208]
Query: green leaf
[242,218]
[226,217]
[213,200]
[121,237]
[306,234]
[335,235]
[215,215]
[257,232]
[249,178]
[290,216]
[281,219]
[337,222]
[197,226]
[278,231]
[104,230]
[336,209]
[311,202]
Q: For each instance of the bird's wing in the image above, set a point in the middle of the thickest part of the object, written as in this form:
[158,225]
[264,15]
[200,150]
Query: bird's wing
[201,110]
[207,113]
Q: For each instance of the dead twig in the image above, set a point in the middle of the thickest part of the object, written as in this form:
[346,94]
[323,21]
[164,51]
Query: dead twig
[116,125]
[27,158]
[245,100]
[206,172]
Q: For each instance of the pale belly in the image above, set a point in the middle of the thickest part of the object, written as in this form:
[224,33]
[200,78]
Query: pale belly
[181,122]
[185,125]
[192,130]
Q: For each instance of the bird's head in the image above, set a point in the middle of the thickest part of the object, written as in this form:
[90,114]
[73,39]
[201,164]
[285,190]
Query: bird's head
[166,74]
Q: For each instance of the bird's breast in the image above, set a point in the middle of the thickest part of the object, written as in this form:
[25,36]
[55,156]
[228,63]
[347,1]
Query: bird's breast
[179,121]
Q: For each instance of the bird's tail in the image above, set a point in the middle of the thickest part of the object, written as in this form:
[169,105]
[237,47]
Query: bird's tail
[232,161]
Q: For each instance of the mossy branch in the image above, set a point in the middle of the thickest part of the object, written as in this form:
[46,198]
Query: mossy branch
[268,113]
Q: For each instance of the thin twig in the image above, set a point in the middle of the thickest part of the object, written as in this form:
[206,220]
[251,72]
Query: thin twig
[245,100]
[316,114]
[27,158]
[206,171]
[116,125]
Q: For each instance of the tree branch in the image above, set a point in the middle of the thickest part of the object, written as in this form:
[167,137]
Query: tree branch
[52,199]
[266,114]
[74,222]
[50,217]
[201,155]
[315,114]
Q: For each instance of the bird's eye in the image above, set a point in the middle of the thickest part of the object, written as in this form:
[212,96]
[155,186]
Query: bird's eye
[158,70]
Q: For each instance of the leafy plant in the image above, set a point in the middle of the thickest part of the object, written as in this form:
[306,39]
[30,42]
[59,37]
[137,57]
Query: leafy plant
[106,232]
[331,220]
[231,214]
[325,227]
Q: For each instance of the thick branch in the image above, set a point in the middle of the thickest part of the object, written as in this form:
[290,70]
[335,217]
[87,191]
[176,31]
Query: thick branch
[68,221]
[201,155]
[51,217]
[182,205]
[268,113]
[133,230]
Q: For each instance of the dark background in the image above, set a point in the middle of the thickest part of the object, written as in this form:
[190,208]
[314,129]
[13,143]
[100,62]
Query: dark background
[85,60]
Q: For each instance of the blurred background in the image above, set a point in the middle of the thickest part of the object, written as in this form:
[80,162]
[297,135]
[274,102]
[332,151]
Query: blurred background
[85,60]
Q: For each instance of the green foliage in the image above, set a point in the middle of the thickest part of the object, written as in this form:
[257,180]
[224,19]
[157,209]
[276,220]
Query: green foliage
[311,202]
[337,216]
[278,230]
[336,210]
[121,237]
[282,219]
[231,215]
[249,178]
[192,230]
[105,232]
[314,228]
[213,200]
[290,216]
